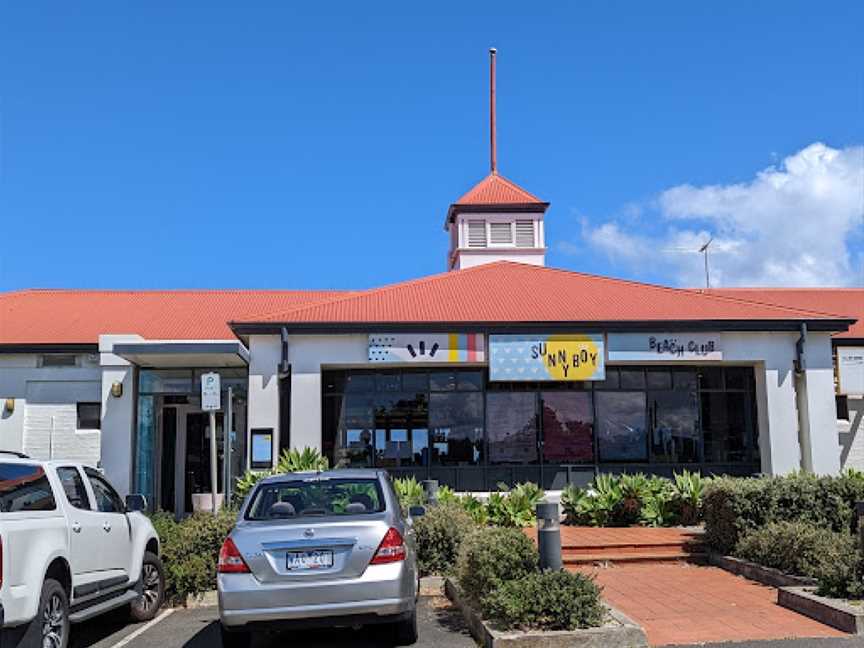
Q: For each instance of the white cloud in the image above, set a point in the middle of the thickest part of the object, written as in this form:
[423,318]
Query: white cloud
[799,223]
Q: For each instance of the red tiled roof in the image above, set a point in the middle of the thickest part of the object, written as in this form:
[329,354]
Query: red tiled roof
[80,316]
[495,189]
[514,292]
[845,302]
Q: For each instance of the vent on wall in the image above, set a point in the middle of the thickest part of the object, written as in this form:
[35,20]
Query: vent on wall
[501,233]
[476,233]
[524,233]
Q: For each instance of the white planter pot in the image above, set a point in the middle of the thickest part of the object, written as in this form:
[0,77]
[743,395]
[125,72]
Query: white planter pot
[204,502]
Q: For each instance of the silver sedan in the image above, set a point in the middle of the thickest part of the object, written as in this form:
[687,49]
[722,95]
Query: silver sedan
[319,549]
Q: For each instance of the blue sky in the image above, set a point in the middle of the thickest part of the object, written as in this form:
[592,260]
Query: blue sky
[299,145]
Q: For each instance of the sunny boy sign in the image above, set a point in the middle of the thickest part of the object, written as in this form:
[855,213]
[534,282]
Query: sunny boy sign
[564,357]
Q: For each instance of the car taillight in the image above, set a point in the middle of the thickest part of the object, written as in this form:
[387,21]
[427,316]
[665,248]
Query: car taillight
[391,549]
[230,560]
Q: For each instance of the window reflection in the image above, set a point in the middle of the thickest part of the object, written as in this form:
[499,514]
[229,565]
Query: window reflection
[675,426]
[568,427]
[511,422]
[621,426]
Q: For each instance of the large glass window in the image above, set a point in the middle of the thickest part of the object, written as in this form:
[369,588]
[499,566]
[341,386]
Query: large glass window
[456,429]
[568,427]
[621,426]
[452,425]
[674,419]
[511,419]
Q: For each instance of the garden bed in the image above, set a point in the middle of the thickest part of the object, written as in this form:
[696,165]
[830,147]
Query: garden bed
[838,613]
[618,631]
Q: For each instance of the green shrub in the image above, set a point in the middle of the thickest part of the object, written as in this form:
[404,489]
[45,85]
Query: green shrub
[290,461]
[439,535]
[516,507]
[688,490]
[733,507]
[805,550]
[190,550]
[548,601]
[305,460]
[490,556]
[410,492]
[245,484]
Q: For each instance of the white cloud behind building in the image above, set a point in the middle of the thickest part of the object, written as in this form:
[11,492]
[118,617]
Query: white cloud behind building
[799,223]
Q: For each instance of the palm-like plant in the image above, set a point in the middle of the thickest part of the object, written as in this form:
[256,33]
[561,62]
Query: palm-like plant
[688,490]
[306,460]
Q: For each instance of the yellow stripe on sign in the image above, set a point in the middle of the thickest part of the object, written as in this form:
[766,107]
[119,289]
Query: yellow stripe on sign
[453,344]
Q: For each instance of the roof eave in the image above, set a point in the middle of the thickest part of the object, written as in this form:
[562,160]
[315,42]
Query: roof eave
[244,329]
[500,208]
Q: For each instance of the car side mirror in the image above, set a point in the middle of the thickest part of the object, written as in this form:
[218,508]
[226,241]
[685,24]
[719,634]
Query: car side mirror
[136,503]
[417,511]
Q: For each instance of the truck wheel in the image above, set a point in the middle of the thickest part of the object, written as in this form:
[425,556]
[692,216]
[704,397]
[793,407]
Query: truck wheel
[50,628]
[147,605]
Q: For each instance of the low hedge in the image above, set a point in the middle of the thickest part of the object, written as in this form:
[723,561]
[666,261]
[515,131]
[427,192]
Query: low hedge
[734,507]
[802,549]
[548,601]
[190,550]
[491,556]
[439,534]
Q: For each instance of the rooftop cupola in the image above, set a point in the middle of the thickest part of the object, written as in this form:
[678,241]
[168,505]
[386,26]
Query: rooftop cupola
[496,220]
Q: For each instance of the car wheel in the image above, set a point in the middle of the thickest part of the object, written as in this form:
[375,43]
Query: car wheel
[50,628]
[235,638]
[147,605]
[405,631]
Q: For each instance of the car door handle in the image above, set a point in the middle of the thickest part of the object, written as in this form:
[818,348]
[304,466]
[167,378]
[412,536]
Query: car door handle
[76,527]
[106,527]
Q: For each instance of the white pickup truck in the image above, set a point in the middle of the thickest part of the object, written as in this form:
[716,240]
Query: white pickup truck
[70,549]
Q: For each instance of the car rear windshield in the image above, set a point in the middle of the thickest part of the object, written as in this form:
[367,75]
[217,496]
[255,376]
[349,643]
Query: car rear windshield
[24,487]
[316,497]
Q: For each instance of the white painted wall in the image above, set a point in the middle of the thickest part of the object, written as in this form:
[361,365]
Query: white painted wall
[265,352]
[43,423]
[118,414]
[307,354]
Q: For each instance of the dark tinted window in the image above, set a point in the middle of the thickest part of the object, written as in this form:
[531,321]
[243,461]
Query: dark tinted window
[24,487]
[316,497]
[89,416]
[73,486]
[107,499]
[620,427]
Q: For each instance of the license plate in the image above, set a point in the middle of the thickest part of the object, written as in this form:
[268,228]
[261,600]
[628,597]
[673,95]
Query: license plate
[299,560]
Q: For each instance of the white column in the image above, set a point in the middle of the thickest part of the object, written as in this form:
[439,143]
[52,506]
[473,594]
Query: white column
[778,418]
[265,352]
[118,414]
[821,410]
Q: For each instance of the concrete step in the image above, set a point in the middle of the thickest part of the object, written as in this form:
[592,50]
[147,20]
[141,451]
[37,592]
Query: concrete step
[645,557]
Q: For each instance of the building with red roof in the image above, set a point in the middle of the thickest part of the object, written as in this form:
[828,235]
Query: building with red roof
[500,369]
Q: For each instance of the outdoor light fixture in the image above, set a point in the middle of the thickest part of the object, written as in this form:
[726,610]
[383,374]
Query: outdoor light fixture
[10,405]
[117,389]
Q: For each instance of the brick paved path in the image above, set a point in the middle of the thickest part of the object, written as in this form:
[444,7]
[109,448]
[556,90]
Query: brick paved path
[679,603]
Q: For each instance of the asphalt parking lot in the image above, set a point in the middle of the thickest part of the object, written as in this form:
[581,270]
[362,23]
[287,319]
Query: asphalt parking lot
[439,624]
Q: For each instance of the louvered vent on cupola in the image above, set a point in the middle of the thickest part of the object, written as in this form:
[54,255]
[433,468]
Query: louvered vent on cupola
[476,233]
[524,233]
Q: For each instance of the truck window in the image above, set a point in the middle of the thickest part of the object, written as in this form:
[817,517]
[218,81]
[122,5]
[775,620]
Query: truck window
[73,486]
[24,487]
[107,499]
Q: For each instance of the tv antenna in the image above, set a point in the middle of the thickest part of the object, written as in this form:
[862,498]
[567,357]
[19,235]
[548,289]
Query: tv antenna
[704,251]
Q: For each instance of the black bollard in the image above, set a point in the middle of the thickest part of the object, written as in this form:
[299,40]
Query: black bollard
[549,536]
[430,490]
